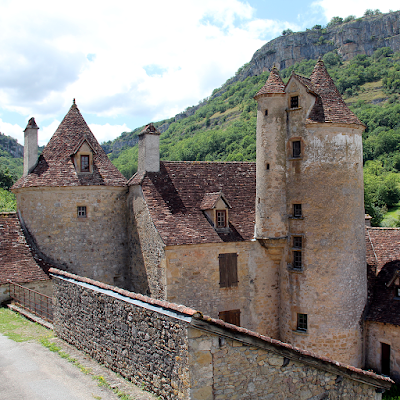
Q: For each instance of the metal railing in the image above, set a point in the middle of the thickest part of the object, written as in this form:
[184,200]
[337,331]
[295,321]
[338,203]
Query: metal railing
[35,302]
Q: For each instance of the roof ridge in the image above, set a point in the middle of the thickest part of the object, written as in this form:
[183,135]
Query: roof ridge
[274,84]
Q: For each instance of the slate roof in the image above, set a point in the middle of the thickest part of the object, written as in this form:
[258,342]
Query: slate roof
[174,196]
[55,165]
[274,84]
[18,262]
[383,246]
[385,307]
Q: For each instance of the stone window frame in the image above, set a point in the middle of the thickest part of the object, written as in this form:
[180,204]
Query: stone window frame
[302,323]
[297,211]
[221,219]
[86,164]
[81,212]
[294,101]
[292,152]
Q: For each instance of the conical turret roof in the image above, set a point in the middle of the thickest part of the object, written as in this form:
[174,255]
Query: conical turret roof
[329,106]
[55,166]
[274,84]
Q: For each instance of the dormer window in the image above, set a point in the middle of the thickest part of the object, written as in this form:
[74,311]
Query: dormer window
[216,209]
[83,157]
[85,163]
[294,102]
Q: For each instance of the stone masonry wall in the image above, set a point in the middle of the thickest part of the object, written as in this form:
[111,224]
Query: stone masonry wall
[228,369]
[95,246]
[378,333]
[193,279]
[142,345]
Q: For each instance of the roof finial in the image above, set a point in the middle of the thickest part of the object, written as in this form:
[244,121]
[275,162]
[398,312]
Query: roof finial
[73,103]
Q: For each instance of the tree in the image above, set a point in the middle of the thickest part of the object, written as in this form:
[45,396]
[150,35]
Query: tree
[287,32]
[335,21]
[6,179]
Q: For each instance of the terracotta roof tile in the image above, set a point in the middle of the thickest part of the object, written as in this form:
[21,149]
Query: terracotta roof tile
[274,84]
[383,246]
[329,106]
[17,260]
[174,197]
[55,166]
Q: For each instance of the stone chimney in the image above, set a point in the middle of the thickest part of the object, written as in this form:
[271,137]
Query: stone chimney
[149,149]
[30,146]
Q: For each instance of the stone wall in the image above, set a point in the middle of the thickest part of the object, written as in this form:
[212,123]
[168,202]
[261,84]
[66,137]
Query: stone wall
[144,346]
[229,369]
[378,333]
[193,279]
[178,353]
[150,269]
[95,246]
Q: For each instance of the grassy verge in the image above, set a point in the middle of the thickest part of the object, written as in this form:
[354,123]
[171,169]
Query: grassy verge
[20,329]
[391,217]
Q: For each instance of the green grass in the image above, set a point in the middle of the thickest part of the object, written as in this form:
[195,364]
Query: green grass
[391,217]
[392,394]
[20,329]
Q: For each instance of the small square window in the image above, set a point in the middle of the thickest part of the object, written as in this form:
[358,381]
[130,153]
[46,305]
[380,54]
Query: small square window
[294,102]
[221,219]
[302,322]
[266,113]
[81,212]
[297,210]
[296,148]
[85,164]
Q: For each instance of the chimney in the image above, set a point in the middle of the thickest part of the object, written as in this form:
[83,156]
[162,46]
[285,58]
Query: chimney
[149,149]
[30,146]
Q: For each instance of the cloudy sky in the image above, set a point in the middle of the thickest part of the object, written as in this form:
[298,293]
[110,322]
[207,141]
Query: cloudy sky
[128,63]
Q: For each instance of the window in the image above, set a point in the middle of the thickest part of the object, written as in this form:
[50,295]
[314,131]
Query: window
[231,317]
[266,113]
[296,148]
[85,164]
[294,102]
[81,211]
[297,254]
[221,219]
[297,210]
[385,359]
[228,270]
[302,322]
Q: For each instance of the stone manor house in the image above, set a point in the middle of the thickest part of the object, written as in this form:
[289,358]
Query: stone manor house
[279,247]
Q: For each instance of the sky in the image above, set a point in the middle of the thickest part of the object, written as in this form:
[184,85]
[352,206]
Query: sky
[128,63]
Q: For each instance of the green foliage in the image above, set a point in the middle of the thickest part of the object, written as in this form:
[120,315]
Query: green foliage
[287,32]
[392,394]
[370,13]
[335,21]
[7,201]
[349,18]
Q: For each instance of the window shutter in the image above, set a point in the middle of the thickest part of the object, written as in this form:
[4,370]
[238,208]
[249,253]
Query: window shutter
[228,270]
[231,317]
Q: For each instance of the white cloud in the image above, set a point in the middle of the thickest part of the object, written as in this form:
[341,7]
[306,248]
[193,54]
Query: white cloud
[344,8]
[107,132]
[13,130]
[99,55]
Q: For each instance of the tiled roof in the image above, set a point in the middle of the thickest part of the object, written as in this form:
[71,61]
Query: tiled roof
[17,260]
[303,355]
[55,166]
[329,105]
[383,246]
[210,199]
[174,197]
[274,84]
[385,307]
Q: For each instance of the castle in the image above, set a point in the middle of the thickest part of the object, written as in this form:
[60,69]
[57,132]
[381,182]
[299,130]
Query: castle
[278,246]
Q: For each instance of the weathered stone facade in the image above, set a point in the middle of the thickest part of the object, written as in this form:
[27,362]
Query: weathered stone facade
[50,215]
[179,354]
[193,279]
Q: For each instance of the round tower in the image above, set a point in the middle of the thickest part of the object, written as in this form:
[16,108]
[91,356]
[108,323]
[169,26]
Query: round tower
[323,279]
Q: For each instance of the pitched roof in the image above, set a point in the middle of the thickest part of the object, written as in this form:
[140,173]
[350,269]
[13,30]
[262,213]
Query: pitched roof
[18,262]
[383,246]
[55,166]
[385,307]
[329,106]
[274,84]
[210,200]
[174,197]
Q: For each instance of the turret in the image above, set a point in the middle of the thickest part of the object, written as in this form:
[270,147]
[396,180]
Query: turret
[30,146]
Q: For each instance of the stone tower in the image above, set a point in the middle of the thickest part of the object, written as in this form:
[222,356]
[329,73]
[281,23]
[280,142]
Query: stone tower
[310,211]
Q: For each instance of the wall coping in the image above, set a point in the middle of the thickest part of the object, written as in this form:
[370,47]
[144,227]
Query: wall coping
[203,322]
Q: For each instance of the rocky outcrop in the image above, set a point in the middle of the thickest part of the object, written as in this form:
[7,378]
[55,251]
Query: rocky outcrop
[11,146]
[361,36]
